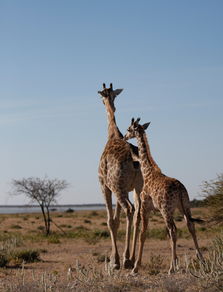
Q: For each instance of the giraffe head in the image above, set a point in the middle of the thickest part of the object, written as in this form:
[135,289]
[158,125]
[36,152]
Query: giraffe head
[135,129]
[109,95]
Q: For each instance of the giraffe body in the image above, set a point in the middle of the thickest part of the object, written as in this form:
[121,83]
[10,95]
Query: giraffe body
[119,174]
[162,193]
[116,168]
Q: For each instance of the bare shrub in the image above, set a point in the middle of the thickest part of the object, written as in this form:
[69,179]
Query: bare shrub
[178,284]
[155,264]
[210,272]
[43,191]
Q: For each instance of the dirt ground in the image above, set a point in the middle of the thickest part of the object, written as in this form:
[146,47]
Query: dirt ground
[74,257]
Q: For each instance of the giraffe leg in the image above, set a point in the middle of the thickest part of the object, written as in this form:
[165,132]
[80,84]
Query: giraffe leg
[129,211]
[173,240]
[192,231]
[112,226]
[136,223]
[144,212]
[116,217]
[185,209]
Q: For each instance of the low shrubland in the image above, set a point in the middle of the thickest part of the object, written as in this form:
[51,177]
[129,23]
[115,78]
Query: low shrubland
[13,251]
[75,256]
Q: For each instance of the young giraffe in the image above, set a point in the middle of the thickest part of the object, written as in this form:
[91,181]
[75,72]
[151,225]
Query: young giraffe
[119,174]
[160,192]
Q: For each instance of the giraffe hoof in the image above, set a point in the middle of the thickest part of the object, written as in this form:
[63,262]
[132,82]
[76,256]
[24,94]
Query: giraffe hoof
[134,271]
[114,266]
[201,258]
[128,264]
[114,263]
[171,271]
[133,274]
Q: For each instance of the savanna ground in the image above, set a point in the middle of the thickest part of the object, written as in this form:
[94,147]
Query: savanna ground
[74,256]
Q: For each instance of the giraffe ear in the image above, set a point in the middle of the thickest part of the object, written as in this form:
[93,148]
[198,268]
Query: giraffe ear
[146,125]
[117,91]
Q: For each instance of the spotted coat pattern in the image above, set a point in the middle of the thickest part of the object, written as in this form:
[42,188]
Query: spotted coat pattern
[162,193]
[119,174]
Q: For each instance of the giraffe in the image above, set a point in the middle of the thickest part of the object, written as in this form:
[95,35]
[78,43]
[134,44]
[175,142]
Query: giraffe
[160,192]
[119,174]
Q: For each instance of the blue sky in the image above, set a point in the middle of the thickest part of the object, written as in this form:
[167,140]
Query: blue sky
[55,55]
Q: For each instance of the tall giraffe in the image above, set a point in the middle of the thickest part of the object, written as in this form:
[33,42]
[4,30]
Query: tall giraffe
[119,174]
[160,192]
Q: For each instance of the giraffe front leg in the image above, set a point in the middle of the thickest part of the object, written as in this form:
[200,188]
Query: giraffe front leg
[142,237]
[136,223]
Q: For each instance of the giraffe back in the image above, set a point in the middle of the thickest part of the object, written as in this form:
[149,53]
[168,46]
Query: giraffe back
[116,168]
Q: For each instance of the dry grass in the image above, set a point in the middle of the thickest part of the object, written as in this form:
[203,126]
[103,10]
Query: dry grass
[75,258]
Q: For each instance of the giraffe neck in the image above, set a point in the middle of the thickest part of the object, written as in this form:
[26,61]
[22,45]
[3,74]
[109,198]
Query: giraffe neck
[113,130]
[147,162]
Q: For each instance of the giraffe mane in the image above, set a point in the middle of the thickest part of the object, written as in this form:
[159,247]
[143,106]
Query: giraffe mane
[149,156]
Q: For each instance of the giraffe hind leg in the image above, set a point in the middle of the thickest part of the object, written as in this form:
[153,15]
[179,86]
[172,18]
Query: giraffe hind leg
[112,226]
[191,228]
[185,209]
[129,211]
[172,230]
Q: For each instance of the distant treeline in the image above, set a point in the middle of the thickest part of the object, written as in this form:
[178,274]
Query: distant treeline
[193,203]
[197,203]
[53,205]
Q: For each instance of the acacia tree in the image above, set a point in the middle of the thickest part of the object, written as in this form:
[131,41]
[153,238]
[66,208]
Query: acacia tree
[43,191]
[213,193]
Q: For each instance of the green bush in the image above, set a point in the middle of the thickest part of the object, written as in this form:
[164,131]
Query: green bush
[65,226]
[101,233]
[213,192]
[157,233]
[87,221]
[93,214]
[53,239]
[26,255]
[3,260]
[16,226]
[69,210]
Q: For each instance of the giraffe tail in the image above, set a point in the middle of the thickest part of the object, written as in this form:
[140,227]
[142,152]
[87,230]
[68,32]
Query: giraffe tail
[187,212]
[197,220]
